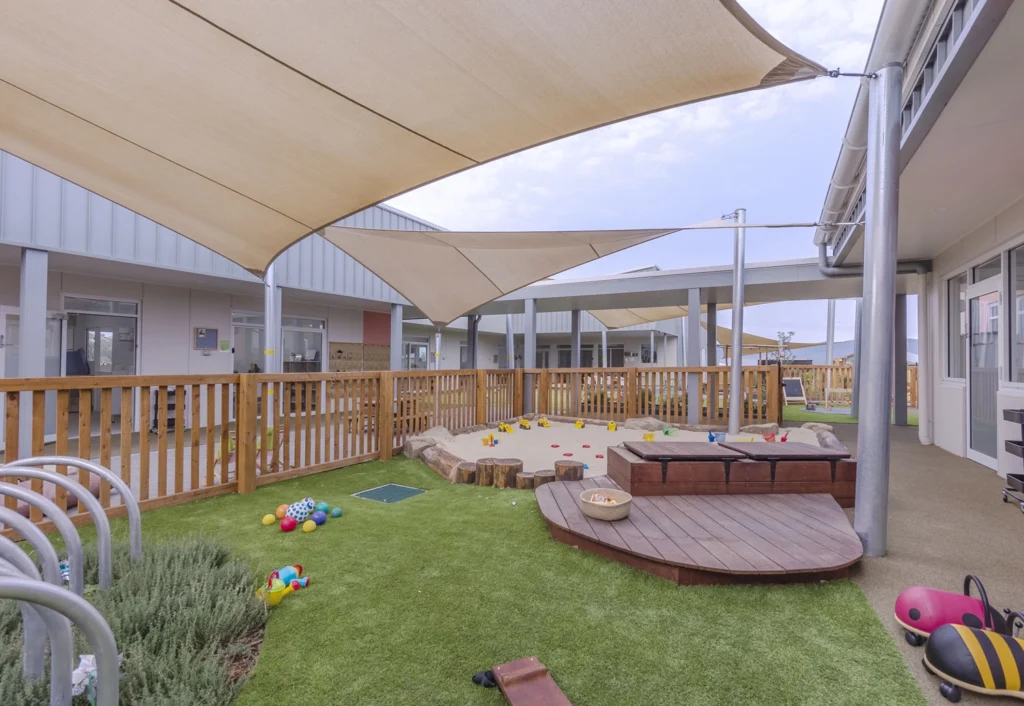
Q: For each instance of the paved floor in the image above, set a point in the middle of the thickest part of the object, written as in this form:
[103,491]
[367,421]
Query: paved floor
[946,520]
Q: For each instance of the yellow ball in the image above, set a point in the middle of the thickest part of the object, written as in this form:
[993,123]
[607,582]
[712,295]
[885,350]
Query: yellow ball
[269,519]
[308,526]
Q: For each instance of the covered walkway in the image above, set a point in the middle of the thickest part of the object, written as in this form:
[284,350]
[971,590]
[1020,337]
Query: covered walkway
[946,520]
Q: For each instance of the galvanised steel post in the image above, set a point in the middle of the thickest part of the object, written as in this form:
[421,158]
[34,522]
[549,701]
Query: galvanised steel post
[396,337]
[855,395]
[736,371]
[880,236]
[271,322]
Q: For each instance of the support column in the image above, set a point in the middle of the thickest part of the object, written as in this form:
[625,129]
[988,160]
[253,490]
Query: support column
[739,255]
[681,343]
[272,360]
[899,364]
[650,356]
[924,365]
[604,348]
[830,339]
[32,336]
[529,351]
[396,337]
[712,333]
[855,395]
[693,396]
[880,238]
[472,340]
[664,349]
[437,350]
[575,335]
[510,343]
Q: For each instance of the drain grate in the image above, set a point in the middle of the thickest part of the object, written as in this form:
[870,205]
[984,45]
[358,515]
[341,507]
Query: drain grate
[390,493]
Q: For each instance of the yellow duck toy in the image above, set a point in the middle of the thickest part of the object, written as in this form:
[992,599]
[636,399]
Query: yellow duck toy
[611,426]
[649,436]
[580,424]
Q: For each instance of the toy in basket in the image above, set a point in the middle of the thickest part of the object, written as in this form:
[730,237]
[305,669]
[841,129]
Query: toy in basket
[921,610]
[608,504]
[982,661]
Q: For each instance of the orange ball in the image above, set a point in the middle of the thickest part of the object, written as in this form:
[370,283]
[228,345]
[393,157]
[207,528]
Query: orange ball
[280,511]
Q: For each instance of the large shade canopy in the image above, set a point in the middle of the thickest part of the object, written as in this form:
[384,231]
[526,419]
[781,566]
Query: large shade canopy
[248,125]
[622,318]
[752,343]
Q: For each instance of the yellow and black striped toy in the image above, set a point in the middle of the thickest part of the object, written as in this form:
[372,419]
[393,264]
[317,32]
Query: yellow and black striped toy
[977,660]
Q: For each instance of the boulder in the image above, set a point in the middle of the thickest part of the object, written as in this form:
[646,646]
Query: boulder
[816,426]
[644,424]
[415,446]
[828,440]
[760,429]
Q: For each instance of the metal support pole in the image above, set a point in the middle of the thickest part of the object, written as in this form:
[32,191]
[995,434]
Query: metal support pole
[736,370]
[437,350]
[681,343]
[880,239]
[510,343]
[855,395]
[529,351]
[664,348]
[472,340]
[694,403]
[899,372]
[604,348]
[711,319]
[830,339]
[396,337]
[924,365]
[575,335]
[32,335]
[272,360]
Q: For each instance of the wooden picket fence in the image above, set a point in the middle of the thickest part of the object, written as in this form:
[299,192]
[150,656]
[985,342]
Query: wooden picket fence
[175,439]
[816,381]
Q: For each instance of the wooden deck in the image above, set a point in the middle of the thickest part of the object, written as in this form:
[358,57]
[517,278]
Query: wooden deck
[711,539]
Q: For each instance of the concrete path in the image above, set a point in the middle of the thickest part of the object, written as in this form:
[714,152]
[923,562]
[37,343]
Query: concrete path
[946,520]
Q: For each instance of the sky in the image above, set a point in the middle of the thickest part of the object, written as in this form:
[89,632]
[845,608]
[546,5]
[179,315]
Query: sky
[770,151]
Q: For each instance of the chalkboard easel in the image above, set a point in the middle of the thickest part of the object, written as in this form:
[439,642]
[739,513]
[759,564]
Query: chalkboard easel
[793,391]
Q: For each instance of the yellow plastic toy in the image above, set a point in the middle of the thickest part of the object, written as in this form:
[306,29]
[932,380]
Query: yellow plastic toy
[269,520]
[524,423]
[308,526]
[611,426]
[276,590]
[543,422]
[580,424]
[508,428]
[649,436]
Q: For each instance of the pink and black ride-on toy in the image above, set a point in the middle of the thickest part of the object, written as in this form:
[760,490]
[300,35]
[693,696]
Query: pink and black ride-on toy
[920,610]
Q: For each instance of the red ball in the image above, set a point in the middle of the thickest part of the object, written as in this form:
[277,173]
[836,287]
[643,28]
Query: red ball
[288,524]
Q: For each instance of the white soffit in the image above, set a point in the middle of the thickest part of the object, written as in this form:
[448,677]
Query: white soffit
[246,126]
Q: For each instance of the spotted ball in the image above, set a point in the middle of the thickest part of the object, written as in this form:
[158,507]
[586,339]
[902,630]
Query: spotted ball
[300,510]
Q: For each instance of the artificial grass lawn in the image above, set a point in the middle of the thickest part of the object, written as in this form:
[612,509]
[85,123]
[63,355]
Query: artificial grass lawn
[408,601]
[793,413]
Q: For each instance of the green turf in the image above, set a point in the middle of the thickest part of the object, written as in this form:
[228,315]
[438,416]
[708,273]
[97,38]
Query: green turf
[793,413]
[407,601]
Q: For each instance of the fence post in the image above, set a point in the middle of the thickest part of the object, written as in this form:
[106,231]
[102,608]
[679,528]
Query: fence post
[631,392]
[386,415]
[245,434]
[481,396]
[517,397]
[543,394]
[774,391]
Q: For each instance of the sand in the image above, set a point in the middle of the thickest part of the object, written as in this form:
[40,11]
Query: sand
[534,447]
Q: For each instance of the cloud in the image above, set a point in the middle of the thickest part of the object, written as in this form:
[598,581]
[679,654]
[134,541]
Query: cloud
[568,176]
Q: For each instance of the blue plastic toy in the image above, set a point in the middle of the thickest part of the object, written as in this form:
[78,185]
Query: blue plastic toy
[711,436]
[319,517]
[323,506]
[336,512]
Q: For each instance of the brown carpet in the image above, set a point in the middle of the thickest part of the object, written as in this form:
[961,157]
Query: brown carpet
[946,520]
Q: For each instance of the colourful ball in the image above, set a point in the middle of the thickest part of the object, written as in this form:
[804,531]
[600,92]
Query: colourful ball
[280,511]
[300,510]
[269,519]
[308,526]
[336,512]
[323,506]
[319,517]
[288,524]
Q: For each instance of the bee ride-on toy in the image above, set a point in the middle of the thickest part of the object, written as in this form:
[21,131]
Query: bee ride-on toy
[981,661]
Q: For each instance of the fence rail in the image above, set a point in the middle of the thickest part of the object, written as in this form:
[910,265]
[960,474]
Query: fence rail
[173,439]
[817,380]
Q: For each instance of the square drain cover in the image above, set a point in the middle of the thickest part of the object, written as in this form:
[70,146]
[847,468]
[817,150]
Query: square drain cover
[390,493]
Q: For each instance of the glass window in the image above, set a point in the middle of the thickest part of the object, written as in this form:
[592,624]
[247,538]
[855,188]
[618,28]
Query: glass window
[248,349]
[1017,315]
[543,355]
[956,326]
[414,354]
[645,353]
[464,355]
[565,356]
[302,351]
[988,269]
[300,322]
[100,306]
[245,319]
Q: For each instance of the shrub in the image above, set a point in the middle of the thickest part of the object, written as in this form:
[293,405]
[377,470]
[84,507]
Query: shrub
[182,618]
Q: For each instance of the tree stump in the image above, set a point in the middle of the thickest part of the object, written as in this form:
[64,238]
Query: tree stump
[542,477]
[569,470]
[505,471]
[524,480]
[485,471]
[466,472]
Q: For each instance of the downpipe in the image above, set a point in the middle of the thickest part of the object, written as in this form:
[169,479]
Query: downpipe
[904,267]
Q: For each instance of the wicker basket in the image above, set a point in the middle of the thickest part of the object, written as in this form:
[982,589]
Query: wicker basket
[609,513]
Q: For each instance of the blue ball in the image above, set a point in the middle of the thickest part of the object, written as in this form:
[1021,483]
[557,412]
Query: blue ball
[319,517]
[336,512]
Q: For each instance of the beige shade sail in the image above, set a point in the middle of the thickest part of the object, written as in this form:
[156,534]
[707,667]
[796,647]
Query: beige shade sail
[753,344]
[623,318]
[248,125]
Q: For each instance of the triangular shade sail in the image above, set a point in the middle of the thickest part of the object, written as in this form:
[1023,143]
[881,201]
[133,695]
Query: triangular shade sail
[445,274]
[248,125]
[753,344]
[623,318]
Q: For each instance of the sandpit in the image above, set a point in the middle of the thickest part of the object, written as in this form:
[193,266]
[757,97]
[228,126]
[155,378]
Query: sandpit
[535,447]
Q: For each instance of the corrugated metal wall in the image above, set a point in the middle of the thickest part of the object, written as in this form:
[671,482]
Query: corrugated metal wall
[40,210]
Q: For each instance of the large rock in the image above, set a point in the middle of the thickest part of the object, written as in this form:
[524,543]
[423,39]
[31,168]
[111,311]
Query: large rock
[760,429]
[644,424]
[828,440]
[816,426]
[415,446]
